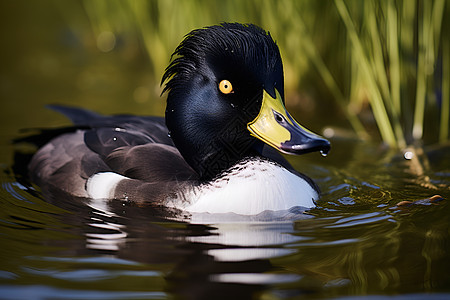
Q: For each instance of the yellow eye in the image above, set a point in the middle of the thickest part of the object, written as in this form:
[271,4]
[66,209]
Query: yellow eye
[225,87]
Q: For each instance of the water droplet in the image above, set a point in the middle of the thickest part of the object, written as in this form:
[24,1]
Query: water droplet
[232,105]
[408,155]
[323,153]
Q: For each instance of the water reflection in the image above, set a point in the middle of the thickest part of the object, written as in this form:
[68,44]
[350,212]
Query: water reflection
[249,241]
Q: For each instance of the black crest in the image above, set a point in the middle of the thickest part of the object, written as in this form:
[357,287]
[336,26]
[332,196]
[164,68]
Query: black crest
[225,45]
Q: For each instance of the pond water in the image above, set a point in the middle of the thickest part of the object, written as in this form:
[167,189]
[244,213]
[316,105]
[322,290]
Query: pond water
[357,242]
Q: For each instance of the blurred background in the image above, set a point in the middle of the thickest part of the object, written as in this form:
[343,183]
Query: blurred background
[372,70]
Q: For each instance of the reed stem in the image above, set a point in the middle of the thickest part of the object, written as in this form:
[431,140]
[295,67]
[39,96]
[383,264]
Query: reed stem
[375,98]
[445,105]
[313,54]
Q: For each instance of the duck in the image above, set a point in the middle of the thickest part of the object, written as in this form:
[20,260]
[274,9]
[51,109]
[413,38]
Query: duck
[217,150]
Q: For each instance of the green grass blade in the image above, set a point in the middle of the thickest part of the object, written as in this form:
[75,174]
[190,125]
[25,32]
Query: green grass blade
[445,106]
[394,59]
[421,75]
[429,24]
[313,55]
[378,65]
[376,101]
[376,58]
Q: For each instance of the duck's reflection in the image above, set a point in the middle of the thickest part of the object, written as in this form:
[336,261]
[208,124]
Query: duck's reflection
[204,259]
[233,255]
[248,241]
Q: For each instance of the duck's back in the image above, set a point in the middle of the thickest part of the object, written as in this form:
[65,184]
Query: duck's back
[132,146]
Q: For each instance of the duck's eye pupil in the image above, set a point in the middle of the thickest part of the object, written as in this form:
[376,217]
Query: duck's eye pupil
[225,87]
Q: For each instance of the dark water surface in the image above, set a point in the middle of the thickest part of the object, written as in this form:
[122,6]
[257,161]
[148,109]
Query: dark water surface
[356,242]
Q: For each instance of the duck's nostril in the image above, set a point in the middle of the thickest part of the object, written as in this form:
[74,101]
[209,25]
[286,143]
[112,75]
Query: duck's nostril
[279,118]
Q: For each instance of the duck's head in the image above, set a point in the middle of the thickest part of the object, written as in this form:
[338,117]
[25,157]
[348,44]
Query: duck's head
[226,99]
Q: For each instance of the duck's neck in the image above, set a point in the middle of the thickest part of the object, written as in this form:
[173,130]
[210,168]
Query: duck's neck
[210,153]
[211,138]
[220,155]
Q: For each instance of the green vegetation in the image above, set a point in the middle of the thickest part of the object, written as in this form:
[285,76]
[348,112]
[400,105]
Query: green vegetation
[386,58]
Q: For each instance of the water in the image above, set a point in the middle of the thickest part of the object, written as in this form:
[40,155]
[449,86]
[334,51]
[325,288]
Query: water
[356,242]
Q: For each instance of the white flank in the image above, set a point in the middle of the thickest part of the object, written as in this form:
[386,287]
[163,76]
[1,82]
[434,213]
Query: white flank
[249,188]
[102,185]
